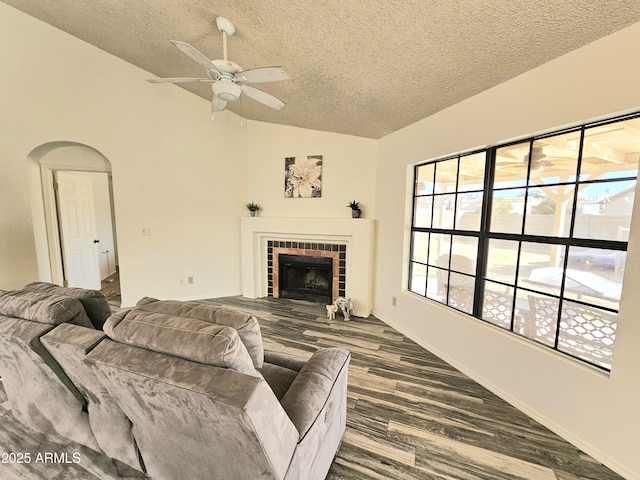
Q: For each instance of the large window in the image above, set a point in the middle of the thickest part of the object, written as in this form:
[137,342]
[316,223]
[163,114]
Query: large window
[532,236]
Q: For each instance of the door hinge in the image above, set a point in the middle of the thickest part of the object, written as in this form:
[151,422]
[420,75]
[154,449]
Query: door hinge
[55,185]
[65,283]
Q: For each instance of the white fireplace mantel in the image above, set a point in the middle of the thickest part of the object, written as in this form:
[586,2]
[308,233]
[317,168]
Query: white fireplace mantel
[356,233]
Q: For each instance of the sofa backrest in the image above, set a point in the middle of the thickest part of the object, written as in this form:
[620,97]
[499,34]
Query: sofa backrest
[198,407]
[182,337]
[244,323]
[68,345]
[93,301]
[51,309]
[40,394]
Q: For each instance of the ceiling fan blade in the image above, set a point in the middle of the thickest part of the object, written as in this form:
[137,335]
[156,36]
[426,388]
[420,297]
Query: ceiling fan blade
[217,105]
[262,97]
[179,80]
[262,74]
[195,55]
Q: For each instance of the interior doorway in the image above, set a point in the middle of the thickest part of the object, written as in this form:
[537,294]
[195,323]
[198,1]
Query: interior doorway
[85,222]
[76,188]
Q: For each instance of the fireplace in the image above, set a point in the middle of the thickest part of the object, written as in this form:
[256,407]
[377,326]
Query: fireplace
[303,277]
[348,242]
[309,267]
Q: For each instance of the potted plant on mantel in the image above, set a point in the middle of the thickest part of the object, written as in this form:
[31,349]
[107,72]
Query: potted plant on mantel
[253,208]
[356,212]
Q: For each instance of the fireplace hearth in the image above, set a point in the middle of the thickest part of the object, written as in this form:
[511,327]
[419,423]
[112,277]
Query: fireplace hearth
[304,277]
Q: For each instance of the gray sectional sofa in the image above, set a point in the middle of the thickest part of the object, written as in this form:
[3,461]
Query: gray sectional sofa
[169,389]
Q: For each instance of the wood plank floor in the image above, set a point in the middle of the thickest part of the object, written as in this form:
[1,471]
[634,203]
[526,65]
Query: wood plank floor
[410,415]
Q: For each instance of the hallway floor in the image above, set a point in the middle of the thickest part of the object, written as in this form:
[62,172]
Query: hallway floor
[110,288]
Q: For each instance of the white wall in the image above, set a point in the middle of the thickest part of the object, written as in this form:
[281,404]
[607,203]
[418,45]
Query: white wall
[348,171]
[18,264]
[597,412]
[175,170]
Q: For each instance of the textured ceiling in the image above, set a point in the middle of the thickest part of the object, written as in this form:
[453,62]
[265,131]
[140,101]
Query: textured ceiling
[359,67]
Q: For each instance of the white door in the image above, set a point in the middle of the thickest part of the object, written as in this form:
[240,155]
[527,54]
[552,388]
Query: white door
[78,230]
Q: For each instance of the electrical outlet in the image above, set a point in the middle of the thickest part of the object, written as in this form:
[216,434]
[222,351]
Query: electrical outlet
[190,280]
[394,301]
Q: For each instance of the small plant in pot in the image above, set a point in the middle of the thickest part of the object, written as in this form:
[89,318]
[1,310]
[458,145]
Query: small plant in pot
[356,212]
[253,208]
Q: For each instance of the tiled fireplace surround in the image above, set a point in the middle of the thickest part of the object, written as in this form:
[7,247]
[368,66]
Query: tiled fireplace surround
[337,253]
[348,241]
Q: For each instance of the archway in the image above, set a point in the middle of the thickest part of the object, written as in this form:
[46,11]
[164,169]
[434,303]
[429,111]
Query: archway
[43,165]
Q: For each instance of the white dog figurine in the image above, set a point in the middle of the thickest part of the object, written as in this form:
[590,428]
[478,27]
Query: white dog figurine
[331,311]
[344,304]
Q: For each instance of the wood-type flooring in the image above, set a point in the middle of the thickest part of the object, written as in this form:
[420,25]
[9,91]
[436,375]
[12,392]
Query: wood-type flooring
[110,288]
[409,414]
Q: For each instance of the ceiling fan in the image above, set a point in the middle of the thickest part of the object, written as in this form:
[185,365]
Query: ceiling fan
[538,160]
[228,80]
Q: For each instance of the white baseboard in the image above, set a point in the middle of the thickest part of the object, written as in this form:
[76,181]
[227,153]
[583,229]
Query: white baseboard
[186,298]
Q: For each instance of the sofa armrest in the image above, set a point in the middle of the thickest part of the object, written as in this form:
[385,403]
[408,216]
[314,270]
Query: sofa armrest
[284,360]
[312,388]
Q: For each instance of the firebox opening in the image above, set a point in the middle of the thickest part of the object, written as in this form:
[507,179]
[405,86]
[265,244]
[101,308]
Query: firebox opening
[305,278]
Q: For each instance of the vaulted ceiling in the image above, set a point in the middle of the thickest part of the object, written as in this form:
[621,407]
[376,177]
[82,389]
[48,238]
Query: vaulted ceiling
[358,67]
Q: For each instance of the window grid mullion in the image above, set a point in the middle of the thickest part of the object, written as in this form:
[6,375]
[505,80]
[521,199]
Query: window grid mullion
[523,226]
[577,184]
[484,235]
[515,289]
[483,246]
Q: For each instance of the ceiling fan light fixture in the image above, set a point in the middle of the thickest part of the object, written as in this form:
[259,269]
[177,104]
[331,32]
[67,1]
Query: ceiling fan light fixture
[227,91]
[228,80]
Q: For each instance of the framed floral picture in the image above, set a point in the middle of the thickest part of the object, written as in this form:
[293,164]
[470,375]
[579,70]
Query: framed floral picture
[303,176]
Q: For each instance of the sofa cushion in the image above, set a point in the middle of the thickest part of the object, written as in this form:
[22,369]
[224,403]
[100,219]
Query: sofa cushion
[93,301]
[244,323]
[69,345]
[40,394]
[285,360]
[43,308]
[279,378]
[183,337]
